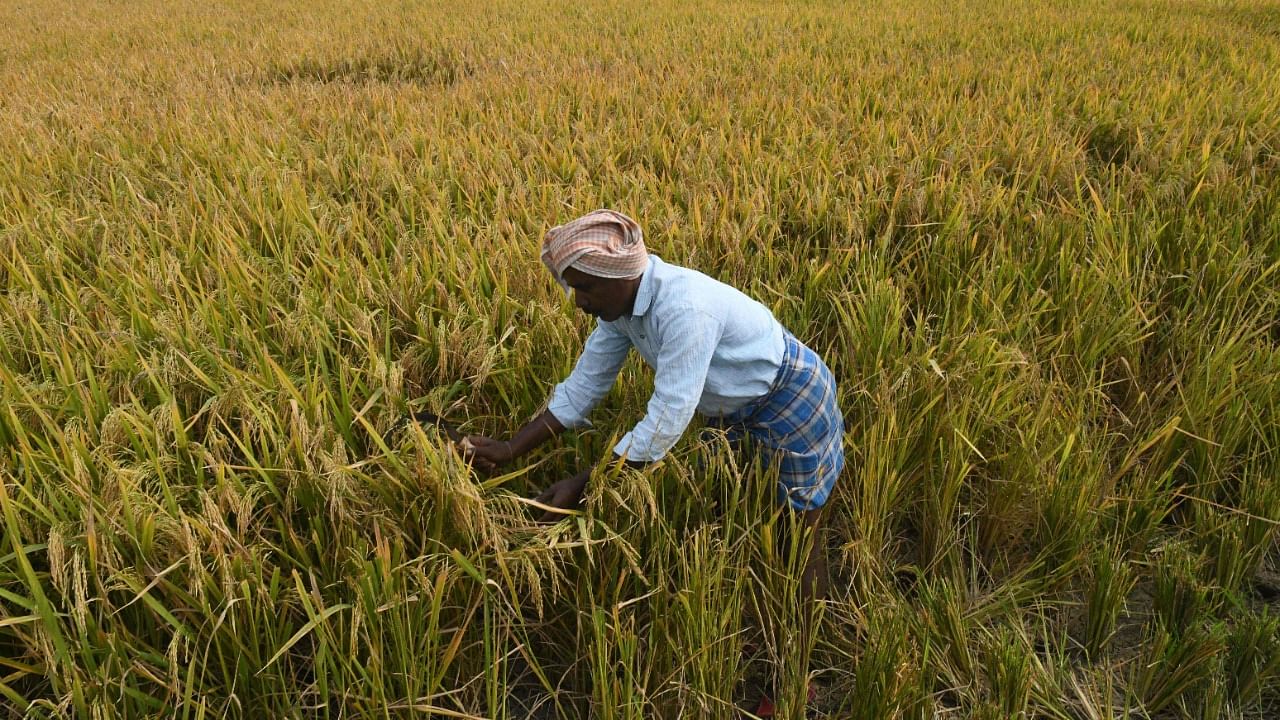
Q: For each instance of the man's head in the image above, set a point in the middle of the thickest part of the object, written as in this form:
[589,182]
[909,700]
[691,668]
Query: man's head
[601,257]
[604,298]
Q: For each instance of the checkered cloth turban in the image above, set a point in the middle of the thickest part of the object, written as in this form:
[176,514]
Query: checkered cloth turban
[603,243]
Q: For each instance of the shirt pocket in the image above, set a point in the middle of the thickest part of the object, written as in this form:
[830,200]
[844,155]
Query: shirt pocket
[644,341]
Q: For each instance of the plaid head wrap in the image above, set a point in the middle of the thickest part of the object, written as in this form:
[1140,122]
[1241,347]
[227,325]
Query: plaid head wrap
[603,243]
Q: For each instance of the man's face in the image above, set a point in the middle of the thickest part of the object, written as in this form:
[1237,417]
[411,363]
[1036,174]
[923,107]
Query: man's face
[604,298]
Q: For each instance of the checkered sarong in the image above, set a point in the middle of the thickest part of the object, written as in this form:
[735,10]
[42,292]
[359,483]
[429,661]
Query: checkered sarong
[799,425]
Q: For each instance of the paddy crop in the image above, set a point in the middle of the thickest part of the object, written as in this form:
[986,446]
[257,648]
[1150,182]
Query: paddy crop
[1038,243]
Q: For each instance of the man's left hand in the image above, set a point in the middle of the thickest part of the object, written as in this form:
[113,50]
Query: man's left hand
[566,495]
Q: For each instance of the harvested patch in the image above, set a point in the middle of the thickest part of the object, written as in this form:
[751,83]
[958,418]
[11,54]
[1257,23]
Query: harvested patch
[1110,143]
[418,65]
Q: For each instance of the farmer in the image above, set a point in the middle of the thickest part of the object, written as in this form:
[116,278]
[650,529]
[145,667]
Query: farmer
[714,350]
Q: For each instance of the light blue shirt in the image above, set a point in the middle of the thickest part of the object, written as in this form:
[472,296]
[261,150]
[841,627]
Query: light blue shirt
[713,350]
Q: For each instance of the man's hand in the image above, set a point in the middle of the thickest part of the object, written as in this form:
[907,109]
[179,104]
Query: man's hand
[487,453]
[566,494]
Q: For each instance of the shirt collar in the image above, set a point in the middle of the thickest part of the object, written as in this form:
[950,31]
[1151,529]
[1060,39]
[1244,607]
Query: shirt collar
[644,294]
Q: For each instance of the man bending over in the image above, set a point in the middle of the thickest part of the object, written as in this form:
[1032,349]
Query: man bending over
[714,350]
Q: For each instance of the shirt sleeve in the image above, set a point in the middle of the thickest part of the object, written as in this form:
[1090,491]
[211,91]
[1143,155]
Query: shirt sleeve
[688,342]
[593,375]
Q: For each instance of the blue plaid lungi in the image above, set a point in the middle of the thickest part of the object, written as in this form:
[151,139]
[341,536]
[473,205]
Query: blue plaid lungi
[798,425]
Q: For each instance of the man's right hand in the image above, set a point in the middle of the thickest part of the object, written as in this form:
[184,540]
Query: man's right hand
[487,453]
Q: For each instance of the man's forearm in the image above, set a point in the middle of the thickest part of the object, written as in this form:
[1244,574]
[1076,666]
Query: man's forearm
[537,431]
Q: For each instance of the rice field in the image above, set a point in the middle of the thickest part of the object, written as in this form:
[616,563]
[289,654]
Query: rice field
[240,243]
